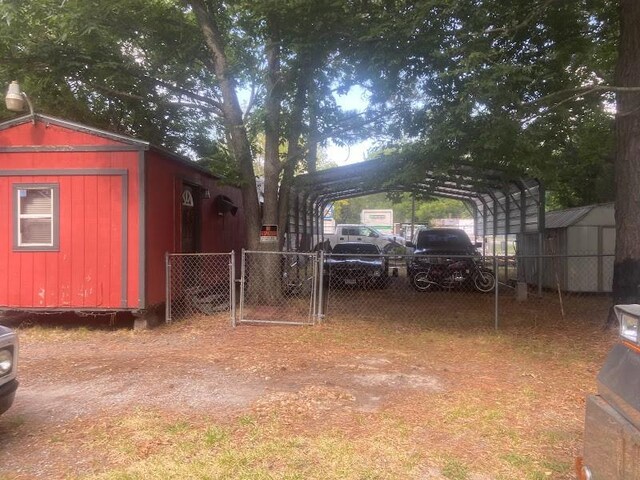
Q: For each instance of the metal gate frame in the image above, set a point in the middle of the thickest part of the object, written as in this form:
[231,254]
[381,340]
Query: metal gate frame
[315,291]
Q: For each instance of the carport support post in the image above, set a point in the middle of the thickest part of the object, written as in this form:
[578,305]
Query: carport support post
[541,228]
[413,214]
[540,262]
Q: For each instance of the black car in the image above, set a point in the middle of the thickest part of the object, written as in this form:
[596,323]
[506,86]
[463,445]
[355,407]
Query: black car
[430,243]
[356,264]
[446,241]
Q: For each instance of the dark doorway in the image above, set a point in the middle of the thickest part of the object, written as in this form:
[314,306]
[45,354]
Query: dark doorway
[190,201]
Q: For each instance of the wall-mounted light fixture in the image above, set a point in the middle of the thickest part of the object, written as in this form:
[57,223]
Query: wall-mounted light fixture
[16,98]
[206,193]
[224,204]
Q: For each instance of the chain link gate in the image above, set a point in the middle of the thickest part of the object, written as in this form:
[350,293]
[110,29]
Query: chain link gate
[200,283]
[279,288]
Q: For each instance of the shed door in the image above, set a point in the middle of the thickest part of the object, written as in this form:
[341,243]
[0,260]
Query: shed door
[190,218]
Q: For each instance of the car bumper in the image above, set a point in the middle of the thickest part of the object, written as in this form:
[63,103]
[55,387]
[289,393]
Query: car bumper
[7,394]
[611,443]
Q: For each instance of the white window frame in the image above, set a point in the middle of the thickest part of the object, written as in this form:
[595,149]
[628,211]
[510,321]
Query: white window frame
[54,215]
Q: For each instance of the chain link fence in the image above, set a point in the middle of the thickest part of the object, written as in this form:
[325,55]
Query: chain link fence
[406,287]
[302,288]
[279,287]
[569,287]
[200,283]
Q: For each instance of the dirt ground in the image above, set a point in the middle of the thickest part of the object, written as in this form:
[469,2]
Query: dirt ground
[439,380]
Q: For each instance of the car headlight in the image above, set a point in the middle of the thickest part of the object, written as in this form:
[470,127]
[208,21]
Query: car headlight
[629,318]
[6,361]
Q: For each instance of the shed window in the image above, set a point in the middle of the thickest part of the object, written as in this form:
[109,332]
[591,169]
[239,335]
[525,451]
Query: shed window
[36,216]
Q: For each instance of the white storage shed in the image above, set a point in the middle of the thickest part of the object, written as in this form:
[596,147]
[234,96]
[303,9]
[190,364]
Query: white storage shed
[582,241]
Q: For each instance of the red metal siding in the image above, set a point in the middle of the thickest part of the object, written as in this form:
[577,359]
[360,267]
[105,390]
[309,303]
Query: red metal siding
[164,179]
[87,271]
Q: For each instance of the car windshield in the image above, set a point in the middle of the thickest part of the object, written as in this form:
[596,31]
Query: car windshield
[357,248]
[442,238]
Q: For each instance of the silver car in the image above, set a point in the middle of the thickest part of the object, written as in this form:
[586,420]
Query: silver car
[8,367]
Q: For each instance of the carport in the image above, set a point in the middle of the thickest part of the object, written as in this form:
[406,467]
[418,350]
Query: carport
[501,203]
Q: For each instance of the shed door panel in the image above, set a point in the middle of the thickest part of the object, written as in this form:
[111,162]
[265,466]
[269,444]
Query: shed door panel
[92,239]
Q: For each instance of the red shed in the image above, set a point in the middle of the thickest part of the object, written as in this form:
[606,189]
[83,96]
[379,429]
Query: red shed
[86,217]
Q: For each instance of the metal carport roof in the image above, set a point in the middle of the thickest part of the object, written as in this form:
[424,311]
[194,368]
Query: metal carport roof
[502,203]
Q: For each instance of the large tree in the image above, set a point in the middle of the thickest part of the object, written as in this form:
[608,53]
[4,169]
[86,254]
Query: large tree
[175,72]
[626,278]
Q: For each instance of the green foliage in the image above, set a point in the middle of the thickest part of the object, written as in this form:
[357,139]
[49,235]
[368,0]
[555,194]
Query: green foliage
[488,83]
[501,85]
[348,211]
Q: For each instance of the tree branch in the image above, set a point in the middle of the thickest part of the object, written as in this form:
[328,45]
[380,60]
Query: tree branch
[344,126]
[586,90]
[252,101]
[139,98]
[187,93]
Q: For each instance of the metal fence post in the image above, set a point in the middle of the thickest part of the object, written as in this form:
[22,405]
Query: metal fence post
[314,288]
[321,287]
[167,307]
[232,286]
[242,282]
[496,296]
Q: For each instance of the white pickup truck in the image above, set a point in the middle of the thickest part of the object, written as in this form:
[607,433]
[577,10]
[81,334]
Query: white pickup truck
[365,234]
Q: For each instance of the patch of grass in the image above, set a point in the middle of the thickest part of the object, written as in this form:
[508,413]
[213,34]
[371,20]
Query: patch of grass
[13,421]
[557,466]
[531,469]
[518,460]
[266,450]
[463,412]
[536,475]
[246,420]
[54,333]
[215,436]
[454,469]
[178,427]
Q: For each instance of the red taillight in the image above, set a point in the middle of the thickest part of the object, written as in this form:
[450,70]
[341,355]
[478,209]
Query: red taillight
[582,472]
[579,471]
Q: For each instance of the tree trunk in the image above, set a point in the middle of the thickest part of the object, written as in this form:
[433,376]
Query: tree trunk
[272,164]
[234,123]
[312,149]
[626,277]
[295,152]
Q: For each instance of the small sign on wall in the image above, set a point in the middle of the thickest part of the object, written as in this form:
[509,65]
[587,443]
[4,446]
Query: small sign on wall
[187,198]
[269,234]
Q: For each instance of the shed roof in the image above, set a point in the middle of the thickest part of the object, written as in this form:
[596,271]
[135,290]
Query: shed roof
[131,142]
[570,216]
